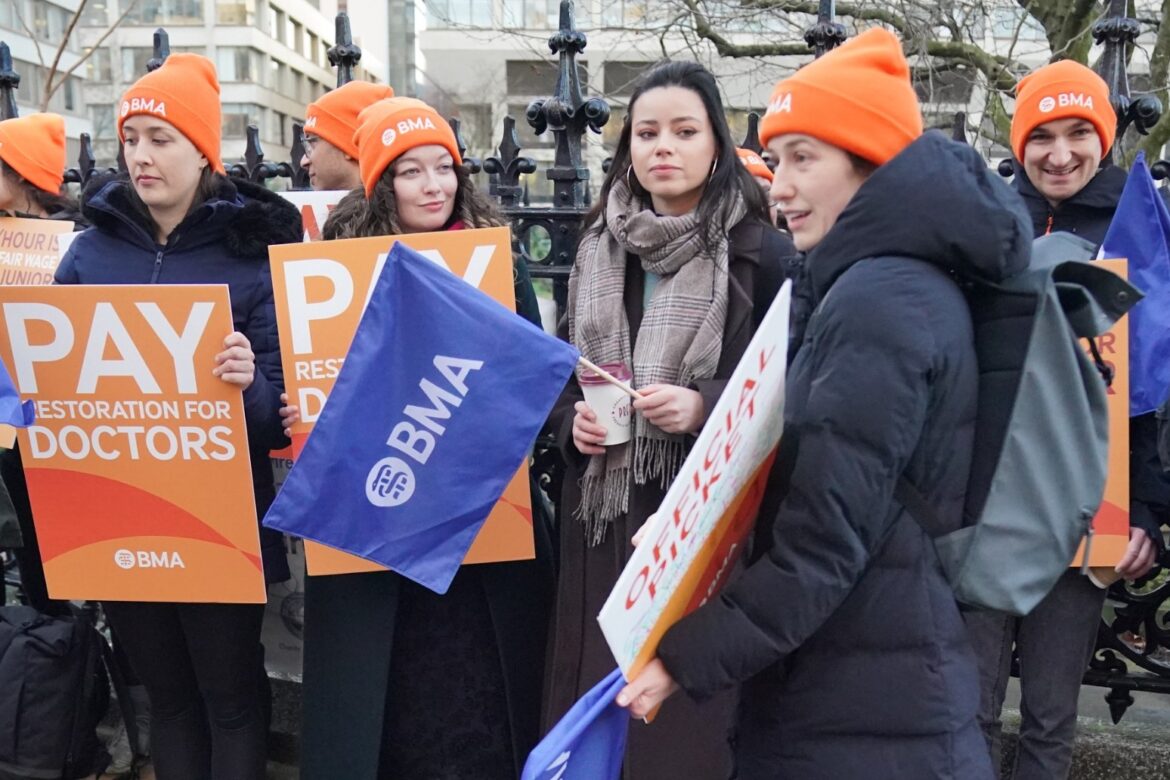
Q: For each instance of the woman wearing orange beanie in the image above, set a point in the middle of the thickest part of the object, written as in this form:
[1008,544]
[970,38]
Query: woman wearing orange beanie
[380,699]
[32,168]
[175,218]
[842,632]
[675,268]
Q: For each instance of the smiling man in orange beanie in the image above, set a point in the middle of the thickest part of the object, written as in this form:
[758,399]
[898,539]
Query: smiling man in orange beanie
[330,124]
[185,93]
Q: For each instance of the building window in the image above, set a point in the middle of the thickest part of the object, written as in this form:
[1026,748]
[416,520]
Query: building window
[236,12]
[8,15]
[134,59]
[237,63]
[620,77]
[279,134]
[528,137]
[97,67]
[313,52]
[102,117]
[276,21]
[625,13]
[475,125]
[237,117]
[531,14]
[537,77]
[167,12]
[459,13]
[298,38]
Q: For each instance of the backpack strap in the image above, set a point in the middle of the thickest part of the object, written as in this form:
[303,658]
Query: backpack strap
[87,634]
[919,508]
[122,692]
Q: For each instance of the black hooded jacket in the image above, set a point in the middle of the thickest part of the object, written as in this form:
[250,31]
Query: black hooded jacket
[843,630]
[1086,214]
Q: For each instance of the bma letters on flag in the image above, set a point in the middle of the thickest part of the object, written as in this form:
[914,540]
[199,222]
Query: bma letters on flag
[137,465]
[321,291]
[695,537]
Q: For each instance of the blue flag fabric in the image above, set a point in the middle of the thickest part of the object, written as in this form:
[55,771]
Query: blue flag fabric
[1140,231]
[588,743]
[436,406]
[12,411]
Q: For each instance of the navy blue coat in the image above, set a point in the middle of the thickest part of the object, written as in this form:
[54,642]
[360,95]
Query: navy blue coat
[845,635]
[222,241]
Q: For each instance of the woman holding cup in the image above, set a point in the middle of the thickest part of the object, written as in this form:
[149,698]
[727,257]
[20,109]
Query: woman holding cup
[676,267]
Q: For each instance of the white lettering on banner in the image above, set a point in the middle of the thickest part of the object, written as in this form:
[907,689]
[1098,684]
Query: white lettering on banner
[390,481]
[148,559]
[561,764]
[302,313]
[106,329]
[155,442]
[781,105]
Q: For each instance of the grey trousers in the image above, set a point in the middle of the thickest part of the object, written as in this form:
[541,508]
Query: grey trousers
[1054,642]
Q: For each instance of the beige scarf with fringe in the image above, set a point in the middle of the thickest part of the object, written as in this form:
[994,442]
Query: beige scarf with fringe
[679,340]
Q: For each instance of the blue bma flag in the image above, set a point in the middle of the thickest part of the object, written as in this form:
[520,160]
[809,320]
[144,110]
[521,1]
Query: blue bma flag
[436,406]
[1140,231]
[12,411]
[588,743]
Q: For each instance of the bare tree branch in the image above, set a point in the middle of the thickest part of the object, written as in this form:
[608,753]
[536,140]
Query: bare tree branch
[86,55]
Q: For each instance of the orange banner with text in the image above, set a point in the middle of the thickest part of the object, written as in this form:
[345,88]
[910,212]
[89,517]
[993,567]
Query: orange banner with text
[1111,525]
[137,465]
[321,291]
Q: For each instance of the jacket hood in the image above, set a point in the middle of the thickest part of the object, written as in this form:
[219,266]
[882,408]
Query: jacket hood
[246,217]
[937,201]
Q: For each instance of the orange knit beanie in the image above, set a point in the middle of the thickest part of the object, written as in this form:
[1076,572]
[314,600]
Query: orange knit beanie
[857,97]
[390,127]
[1062,90]
[334,116]
[34,147]
[754,163]
[185,93]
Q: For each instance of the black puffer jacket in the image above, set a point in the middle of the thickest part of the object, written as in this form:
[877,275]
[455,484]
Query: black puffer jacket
[843,631]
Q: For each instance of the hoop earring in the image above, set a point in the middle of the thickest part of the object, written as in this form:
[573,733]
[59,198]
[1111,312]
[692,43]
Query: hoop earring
[628,183]
[714,164]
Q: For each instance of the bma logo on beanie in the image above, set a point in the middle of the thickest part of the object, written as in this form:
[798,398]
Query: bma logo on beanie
[1066,100]
[781,104]
[389,136]
[144,106]
[310,123]
[408,125]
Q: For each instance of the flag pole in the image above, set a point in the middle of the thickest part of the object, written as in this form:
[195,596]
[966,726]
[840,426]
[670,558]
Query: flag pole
[608,377]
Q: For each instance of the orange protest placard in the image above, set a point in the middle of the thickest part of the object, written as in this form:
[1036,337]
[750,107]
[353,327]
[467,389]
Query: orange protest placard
[321,291]
[1111,525]
[137,465]
[314,206]
[29,254]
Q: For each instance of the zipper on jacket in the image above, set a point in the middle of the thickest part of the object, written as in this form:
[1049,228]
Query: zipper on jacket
[158,258]
[1048,227]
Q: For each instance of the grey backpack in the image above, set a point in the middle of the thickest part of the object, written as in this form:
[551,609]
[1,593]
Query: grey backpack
[1042,430]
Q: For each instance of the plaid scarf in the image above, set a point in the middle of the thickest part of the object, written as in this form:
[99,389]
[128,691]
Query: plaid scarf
[679,341]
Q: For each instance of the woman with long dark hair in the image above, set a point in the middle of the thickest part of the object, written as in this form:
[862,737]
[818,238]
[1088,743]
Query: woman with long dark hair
[399,682]
[675,269]
[178,219]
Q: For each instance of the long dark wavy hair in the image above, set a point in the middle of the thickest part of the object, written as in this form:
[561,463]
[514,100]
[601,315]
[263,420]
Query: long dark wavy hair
[729,174]
[359,217]
[49,202]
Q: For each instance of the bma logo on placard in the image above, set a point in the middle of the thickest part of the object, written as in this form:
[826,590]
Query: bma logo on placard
[559,766]
[147,559]
[389,483]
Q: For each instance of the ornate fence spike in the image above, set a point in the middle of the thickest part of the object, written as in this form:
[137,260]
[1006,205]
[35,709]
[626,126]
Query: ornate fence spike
[9,83]
[345,55]
[473,165]
[255,168]
[162,50]
[1160,170]
[86,163]
[751,141]
[1118,32]
[826,34]
[507,166]
[300,177]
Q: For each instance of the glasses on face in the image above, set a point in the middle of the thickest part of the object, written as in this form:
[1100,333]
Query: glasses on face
[310,143]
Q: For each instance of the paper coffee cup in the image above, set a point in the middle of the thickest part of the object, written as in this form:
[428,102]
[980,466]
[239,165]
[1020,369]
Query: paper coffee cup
[611,403]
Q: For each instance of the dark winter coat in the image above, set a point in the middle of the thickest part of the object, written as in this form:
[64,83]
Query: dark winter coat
[845,635]
[224,240]
[688,741]
[1088,214]
[371,649]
